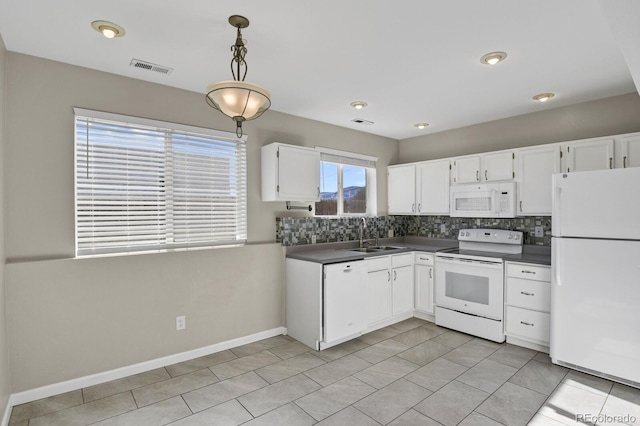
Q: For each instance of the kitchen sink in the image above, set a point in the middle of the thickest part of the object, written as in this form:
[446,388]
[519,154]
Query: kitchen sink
[375,249]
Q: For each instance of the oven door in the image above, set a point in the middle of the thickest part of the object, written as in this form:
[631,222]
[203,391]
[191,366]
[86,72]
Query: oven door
[470,286]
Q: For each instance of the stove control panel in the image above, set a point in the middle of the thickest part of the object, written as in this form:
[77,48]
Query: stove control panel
[497,236]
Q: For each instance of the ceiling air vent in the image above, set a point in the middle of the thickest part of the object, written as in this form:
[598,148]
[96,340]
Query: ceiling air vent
[137,63]
[361,121]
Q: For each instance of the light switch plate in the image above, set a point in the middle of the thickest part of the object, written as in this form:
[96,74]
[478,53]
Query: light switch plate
[390,233]
[443,228]
[539,231]
[313,239]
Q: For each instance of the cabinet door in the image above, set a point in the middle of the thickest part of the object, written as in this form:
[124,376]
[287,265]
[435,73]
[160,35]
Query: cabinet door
[631,151]
[402,279]
[298,173]
[466,169]
[424,288]
[344,312]
[378,296]
[401,189]
[535,167]
[498,166]
[579,156]
[433,187]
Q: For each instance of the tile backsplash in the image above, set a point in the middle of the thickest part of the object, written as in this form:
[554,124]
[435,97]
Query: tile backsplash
[292,231]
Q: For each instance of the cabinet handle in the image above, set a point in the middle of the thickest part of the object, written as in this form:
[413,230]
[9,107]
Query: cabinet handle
[477,175]
[611,162]
[624,161]
[346,270]
[485,175]
[526,323]
[389,276]
[419,207]
[318,191]
[520,206]
[430,273]
[528,272]
[395,275]
[527,294]
[423,258]
[413,208]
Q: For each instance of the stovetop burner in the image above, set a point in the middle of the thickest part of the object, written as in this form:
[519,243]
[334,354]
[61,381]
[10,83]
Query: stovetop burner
[486,244]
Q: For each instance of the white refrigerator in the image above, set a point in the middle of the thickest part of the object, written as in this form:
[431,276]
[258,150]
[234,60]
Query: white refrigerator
[595,288]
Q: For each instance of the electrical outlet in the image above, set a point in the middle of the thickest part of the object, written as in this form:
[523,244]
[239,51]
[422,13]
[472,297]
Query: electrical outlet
[181,323]
[443,228]
[390,233]
[478,222]
[313,239]
[539,231]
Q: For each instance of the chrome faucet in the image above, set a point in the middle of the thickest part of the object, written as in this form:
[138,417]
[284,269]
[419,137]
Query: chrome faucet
[363,226]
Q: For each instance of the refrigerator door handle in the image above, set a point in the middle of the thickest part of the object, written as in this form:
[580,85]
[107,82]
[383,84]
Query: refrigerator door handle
[557,208]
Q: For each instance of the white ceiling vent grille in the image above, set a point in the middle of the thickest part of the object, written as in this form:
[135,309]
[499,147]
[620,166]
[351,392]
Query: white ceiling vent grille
[137,63]
[363,122]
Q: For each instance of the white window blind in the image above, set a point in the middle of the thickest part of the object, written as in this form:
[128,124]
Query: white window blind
[148,185]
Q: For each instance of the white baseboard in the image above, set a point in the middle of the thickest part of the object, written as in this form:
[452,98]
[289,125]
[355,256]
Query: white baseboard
[7,413]
[119,373]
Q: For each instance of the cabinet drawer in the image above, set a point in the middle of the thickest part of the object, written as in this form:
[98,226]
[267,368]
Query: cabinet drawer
[529,272]
[424,259]
[527,324]
[529,294]
[405,259]
[377,263]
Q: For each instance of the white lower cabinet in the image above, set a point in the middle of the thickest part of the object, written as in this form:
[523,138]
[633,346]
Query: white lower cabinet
[423,281]
[402,280]
[379,293]
[528,304]
[390,289]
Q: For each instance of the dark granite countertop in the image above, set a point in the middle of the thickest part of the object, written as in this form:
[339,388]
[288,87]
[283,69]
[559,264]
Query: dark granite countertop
[328,253]
[339,252]
[540,255]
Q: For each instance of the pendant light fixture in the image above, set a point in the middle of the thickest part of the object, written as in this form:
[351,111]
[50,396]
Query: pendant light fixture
[236,98]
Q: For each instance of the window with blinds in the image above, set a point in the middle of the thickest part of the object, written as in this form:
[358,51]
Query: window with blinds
[147,185]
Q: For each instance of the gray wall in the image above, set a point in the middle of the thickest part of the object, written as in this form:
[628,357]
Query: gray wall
[5,388]
[73,317]
[603,117]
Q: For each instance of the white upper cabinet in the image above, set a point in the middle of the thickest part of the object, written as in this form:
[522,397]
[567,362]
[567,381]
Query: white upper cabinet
[432,187]
[535,167]
[498,166]
[489,167]
[465,169]
[630,147]
[401,189]
[290,173]
[584,155]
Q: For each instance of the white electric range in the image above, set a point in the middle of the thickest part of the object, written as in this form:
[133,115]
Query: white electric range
[470,282]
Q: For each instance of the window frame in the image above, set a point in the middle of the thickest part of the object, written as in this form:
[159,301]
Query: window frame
[173,133]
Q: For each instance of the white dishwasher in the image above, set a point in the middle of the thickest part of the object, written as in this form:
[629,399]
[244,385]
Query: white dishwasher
[325,304]
[344,310]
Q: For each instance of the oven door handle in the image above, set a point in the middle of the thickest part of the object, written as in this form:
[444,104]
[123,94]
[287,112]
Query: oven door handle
[458,261]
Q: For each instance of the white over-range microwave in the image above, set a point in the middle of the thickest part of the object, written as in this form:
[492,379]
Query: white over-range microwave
[483,200]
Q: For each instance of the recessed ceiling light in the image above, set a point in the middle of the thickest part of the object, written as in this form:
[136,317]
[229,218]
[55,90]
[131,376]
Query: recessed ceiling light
[108,29]
[543,97]
[493,58]
[358,104]
[421,125]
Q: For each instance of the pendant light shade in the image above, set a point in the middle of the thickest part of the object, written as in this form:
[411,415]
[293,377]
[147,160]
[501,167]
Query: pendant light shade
[236,98]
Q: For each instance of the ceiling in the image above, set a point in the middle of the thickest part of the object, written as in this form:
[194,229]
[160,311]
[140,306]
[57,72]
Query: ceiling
[411,60]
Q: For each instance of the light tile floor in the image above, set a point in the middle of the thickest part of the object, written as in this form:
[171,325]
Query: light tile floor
[411,373]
